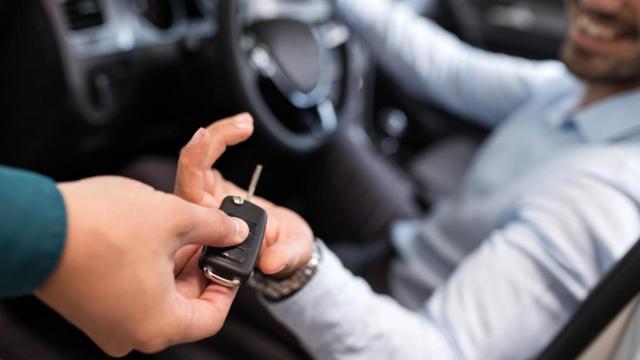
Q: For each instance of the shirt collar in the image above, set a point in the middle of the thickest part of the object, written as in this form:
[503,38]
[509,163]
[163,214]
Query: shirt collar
[563,111]
[612,119]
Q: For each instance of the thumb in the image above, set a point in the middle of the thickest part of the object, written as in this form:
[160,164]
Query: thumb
[212,227]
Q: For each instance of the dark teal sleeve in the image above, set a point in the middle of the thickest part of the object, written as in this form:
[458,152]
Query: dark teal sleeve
[32,230]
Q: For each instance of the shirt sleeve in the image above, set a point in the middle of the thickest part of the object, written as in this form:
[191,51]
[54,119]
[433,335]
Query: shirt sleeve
[337,316]
[433,65]
[507,300]
[32,230]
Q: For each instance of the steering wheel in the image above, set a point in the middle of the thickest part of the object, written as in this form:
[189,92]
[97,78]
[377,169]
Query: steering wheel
[293,72]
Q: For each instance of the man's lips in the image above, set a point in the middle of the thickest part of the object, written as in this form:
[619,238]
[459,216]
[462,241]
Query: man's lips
[599,35]
[595,30]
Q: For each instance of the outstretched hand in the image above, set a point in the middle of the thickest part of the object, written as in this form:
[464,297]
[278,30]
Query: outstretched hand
[117,279]
[288,239]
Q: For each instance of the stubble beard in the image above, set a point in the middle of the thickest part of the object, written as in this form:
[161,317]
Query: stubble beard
[598,68]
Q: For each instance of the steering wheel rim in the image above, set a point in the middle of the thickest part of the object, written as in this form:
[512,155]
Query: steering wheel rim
[255,56]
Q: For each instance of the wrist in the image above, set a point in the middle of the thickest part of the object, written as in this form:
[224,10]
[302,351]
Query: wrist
[277,289]
[51,287]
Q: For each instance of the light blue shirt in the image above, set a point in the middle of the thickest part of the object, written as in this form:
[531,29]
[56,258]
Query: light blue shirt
[548,206]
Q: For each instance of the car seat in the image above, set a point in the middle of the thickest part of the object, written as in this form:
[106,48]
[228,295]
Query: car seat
[607,324]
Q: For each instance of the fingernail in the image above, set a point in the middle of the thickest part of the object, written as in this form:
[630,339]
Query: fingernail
[242,230]
[243,120]
[280,269]
[196,137]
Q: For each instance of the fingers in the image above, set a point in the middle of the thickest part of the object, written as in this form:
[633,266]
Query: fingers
[202,151]
[227,132]
[288,244]
[211,227]
[206,314]
[274,261]
[283,257]
[217,184]
[229,188]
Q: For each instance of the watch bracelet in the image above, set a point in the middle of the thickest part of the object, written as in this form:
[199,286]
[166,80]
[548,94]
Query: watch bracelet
[279,289]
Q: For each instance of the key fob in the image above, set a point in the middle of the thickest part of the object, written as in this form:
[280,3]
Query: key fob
[232,266]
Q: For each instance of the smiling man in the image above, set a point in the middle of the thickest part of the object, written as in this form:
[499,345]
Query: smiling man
[603,45]
[550,203]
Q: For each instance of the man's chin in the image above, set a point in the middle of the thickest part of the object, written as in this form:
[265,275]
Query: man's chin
[594,69]
[605,78]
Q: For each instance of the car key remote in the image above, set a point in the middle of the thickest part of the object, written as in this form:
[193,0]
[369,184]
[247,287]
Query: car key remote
[233,265]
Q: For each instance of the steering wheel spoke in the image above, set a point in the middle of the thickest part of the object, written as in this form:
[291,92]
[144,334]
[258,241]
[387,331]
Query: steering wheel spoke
[327,117]
[333,35]
[261,62]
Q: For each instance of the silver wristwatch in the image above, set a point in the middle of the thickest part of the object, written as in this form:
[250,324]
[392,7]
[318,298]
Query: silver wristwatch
[279,289]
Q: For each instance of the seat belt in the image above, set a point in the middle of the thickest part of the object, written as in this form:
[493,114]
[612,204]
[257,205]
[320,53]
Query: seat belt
[617,289]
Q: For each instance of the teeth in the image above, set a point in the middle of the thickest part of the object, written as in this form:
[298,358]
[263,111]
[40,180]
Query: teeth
[595,30]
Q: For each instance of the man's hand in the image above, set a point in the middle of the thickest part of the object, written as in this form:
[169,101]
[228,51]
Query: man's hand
[118,280]
[288,239]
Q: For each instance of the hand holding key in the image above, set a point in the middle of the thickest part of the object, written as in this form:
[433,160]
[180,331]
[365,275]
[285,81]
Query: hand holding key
[116,279]
[288,239]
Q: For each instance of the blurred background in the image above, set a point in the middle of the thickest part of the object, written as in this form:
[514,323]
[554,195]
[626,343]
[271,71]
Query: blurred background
[95,87]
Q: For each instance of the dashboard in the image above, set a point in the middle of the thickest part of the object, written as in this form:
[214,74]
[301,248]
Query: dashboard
[103,44]
[93,28]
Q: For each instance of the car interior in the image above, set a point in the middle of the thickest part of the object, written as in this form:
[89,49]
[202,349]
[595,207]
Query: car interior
[95,87]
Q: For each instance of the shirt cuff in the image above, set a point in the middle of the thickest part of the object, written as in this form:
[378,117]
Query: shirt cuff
[32,230]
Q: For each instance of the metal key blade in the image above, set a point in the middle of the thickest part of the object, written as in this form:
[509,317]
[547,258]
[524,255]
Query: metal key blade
[254,182]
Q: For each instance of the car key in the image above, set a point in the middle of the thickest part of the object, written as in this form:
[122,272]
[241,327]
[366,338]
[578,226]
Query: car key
[233,265]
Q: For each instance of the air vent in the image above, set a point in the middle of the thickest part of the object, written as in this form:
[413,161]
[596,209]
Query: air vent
[82,14]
